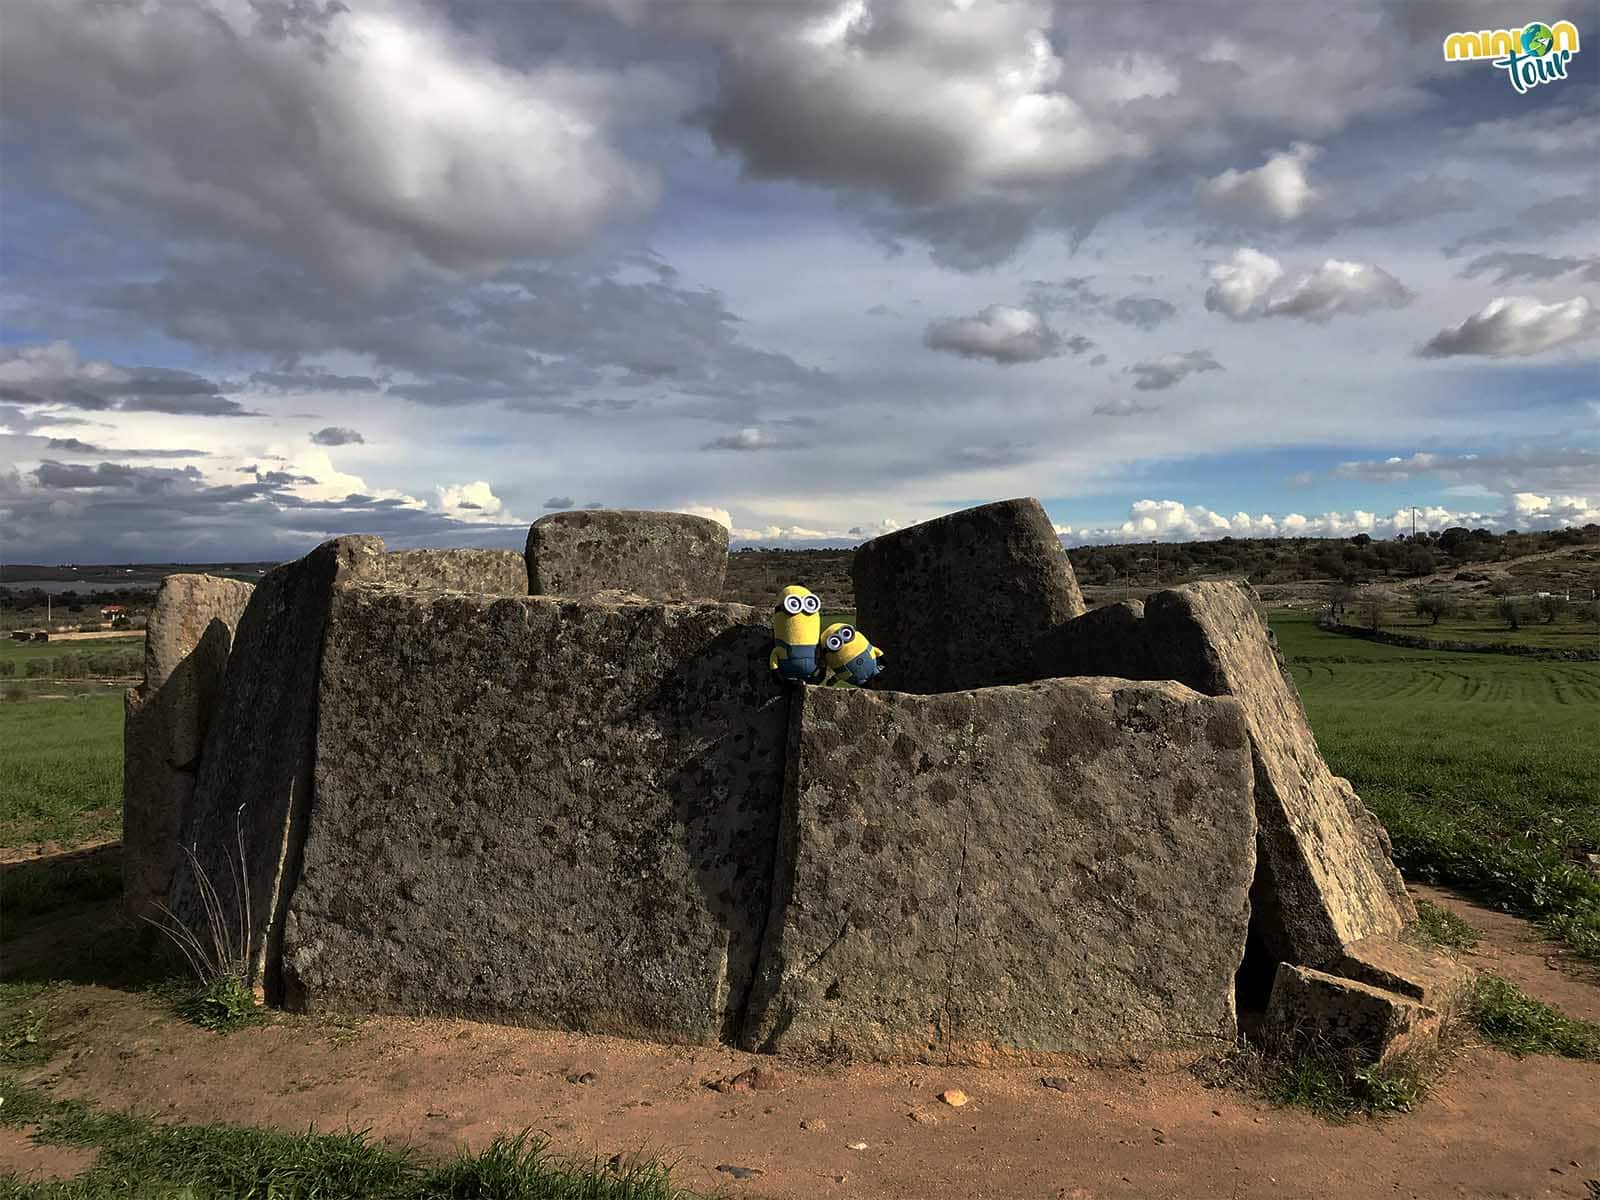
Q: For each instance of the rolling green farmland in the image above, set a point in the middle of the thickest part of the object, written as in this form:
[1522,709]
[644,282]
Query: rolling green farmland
[1485,768]
[61,769]
[21,652]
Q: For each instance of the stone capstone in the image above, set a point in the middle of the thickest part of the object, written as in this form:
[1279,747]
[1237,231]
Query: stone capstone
[963,601]
[560,813]
[491,572]
[665,556]
[1315,1011]
[1059,867]
[187,640]
[1326,879]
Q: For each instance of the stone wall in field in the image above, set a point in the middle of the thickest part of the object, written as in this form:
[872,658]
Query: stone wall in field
[1041,832]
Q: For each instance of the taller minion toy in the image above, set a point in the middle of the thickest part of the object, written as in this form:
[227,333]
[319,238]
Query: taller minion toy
[851,658]
[796,629]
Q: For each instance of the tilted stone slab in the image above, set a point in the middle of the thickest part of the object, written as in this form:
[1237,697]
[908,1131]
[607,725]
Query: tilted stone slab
[546,812]
[964,600]
[665,556]
[1326,879]
[254,783]
[1059,867]
[187,639]
[1313,1010]
[1427,976]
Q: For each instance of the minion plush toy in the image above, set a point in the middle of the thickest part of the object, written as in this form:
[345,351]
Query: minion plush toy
[795,625]
[851,659]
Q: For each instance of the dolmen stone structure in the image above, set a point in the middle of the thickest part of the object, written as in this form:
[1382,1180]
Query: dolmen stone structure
[591,806]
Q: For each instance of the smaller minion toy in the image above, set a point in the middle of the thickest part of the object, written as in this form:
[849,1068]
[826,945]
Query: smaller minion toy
[795,632]
[851,659]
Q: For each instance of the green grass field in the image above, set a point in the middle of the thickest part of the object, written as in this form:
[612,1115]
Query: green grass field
[21,652]
[1485,768]
[61,769]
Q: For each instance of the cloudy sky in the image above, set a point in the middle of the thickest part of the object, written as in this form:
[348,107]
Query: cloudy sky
[281,269]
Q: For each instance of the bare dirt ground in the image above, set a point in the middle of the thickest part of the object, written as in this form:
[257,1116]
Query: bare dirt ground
[1495,1127]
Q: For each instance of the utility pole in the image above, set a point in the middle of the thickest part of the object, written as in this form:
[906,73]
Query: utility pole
[1413,522]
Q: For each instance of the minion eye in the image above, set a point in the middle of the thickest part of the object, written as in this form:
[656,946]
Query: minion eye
[846,634]
[833,641]
[812,605]
[791,604]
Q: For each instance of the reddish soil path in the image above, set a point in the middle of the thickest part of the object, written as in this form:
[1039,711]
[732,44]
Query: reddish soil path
[1495,1127]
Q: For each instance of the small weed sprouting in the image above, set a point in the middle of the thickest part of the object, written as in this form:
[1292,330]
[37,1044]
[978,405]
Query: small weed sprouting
[1505,1017]
[23,1041]
[1438,926]
[224,999]
[223,1003]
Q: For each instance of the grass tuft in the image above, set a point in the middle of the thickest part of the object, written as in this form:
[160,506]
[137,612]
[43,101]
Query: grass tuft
[1335,1086]
[141,1157]
[1514,1021]
[1438,926]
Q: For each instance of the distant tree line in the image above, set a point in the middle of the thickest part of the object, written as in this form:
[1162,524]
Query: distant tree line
[1353,560]
[120,664]
[20,599]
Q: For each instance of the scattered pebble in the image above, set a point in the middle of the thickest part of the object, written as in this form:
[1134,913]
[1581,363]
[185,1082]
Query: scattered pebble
[739,1172]
[814,1124]
[1059,1082]
[586,1077]
[954,1097]
[922,1117]
[857,1146]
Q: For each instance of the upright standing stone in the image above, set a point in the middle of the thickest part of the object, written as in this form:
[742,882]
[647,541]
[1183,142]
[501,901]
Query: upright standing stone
[187,639]
[254,785]
[550,812]
[1059,867]
[963,601]
[661,555]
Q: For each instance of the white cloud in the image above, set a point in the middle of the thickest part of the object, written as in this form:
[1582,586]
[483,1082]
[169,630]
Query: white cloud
[1240,285]
[473,502]
[1279,188]
[1001,333]
[1175,521]
[1515,326]
[1246,288]
[720,515]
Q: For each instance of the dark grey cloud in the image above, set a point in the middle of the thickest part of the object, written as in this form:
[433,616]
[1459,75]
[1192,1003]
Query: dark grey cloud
[1508,267]
[751,438]
[1076,294]
[559,502]
[51,474]
[1124,406]
[1166,370]
[538,339]
[1558,215]
[1144,311]
[113,512]
[313,381]
[51,375]
[337,435]
[75,446]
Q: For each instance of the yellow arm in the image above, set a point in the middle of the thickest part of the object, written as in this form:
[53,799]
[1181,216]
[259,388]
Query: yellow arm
[778,652]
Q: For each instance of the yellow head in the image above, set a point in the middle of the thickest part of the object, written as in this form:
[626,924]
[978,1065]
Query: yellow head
[797,619]
[841,643]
